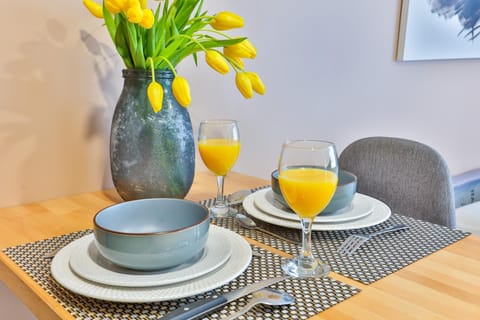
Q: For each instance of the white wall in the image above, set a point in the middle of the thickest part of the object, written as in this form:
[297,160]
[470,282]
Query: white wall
[328,65]
[329,69]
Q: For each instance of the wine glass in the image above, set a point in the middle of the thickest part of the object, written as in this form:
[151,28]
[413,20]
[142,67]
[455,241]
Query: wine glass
[307,174]
[219,146]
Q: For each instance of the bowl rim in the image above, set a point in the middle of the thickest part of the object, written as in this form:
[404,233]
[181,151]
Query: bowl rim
[142,234]
[355,178]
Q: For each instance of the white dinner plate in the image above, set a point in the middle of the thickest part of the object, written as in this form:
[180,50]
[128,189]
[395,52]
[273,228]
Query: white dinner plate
[380,213]
[360,207]
[89,264]
[238,262]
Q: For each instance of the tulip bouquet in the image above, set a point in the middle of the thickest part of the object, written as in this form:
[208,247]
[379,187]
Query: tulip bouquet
[176,29]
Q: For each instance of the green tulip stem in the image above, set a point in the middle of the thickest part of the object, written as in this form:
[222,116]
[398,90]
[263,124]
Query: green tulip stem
[233,63]
[170,65]
[210,18]
[191,39]
[152,67]
[218,32]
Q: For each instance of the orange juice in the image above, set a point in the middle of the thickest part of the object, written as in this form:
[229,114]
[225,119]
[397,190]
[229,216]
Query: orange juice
[219,155]
[307,190]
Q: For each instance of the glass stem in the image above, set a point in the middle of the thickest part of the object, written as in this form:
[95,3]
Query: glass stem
[306,254]
[220,200]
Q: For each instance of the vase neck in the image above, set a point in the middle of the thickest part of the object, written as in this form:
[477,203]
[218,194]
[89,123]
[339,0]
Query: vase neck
[147,74]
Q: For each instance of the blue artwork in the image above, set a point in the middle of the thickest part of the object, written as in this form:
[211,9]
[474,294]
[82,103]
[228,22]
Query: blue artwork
[439,29]
[466,11]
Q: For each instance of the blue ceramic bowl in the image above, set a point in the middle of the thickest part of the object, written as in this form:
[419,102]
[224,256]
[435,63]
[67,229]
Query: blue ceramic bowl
[346,189]
[151,234]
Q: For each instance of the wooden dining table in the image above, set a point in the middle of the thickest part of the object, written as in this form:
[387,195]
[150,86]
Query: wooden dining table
[442,285]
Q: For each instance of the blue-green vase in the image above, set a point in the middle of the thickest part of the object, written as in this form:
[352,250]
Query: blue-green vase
[152,155]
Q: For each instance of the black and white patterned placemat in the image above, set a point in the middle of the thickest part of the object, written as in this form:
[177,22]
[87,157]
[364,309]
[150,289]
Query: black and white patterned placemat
[311,295]
[374,260]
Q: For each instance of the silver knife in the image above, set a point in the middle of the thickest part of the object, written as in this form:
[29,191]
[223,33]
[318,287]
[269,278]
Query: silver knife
[197,308]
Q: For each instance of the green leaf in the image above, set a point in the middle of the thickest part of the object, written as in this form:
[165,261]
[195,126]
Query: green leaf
[139,57]
[199,8]
[165,7]
[194,27]
[122,48]
[130,35]
[216,43]
[195,58]
[109,23]
[174,29]
[184,12]
[150,49]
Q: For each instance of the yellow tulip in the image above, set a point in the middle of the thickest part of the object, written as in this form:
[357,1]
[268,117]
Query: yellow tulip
[226,20]
[143,4]
[244,49]
[181,91]
[94,8]
[119,3]
[244,84]
[155,95]
[257,83]
[131,3]
[135,14]
[113,6]
[148,19]
[215,60]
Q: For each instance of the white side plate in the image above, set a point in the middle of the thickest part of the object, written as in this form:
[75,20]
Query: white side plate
[360,207]
[381,212]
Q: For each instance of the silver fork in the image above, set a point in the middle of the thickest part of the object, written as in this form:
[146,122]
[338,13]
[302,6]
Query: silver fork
[354,241]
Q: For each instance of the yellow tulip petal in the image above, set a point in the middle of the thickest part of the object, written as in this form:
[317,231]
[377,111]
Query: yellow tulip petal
[226,20]
[181,91]
[244,49]
[215,60]
[257,83]
[244,84]
[148,19]
[94,8]
[131,3]
[135,14]
[112,6]
[155,95]
[118,3]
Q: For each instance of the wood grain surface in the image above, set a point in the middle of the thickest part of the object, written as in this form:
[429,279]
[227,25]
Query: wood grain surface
[443,285]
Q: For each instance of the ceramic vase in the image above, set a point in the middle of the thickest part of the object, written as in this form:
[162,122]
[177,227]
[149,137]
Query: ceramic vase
[152,155]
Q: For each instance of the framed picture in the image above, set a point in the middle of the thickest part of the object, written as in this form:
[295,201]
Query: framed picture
[439,29]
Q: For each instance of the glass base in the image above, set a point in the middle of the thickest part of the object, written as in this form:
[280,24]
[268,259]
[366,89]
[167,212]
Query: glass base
[222,212]
[305,268]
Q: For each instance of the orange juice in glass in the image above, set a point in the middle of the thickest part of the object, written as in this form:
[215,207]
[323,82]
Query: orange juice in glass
[219,155]
[219,146]
[308,190]
[307,174]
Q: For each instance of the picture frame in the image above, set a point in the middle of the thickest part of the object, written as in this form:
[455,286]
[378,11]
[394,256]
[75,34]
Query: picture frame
[439,30]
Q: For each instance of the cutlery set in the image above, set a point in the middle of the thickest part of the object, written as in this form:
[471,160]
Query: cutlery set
[200,307]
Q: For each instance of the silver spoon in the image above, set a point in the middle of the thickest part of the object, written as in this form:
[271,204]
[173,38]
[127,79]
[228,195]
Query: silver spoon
[266,296]
[248,223]
[238,196]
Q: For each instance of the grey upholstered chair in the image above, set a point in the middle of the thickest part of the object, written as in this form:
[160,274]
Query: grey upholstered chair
[410,177]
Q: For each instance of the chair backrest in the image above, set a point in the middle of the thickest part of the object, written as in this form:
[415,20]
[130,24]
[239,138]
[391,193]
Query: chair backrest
[410,177]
